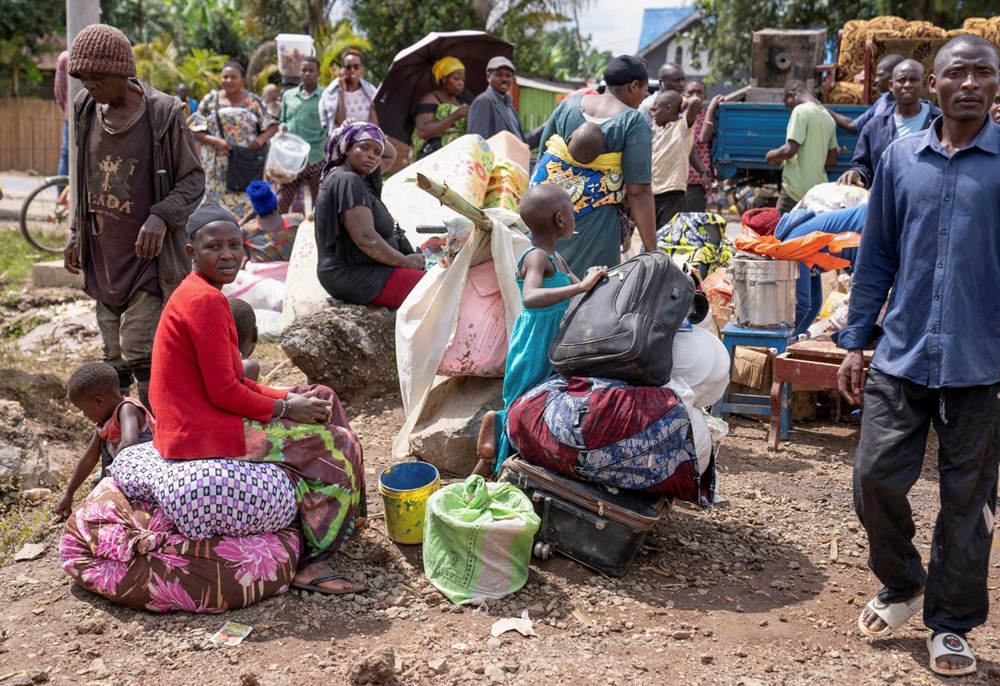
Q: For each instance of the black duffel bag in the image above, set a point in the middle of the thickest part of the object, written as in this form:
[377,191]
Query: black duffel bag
[624,328]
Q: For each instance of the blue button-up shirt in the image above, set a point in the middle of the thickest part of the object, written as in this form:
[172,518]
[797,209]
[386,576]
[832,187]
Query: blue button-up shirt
[933,237]
[881,104]
[875,138]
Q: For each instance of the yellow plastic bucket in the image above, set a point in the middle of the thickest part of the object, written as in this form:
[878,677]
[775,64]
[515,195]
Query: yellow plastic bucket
[405,488]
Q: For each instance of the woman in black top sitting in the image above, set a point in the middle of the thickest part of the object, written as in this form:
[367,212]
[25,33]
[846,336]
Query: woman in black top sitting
[440,116]
[363,256]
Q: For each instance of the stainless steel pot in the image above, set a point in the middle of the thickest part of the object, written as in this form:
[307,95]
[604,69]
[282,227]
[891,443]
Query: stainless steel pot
[764,292]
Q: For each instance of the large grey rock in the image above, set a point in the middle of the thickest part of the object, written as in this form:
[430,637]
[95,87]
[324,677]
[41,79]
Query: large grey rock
[23,464]
[350,348]
[446,433]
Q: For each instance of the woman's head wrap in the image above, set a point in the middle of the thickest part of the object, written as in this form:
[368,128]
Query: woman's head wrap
[349,133]
[445,66]
[262,198]
[206,214]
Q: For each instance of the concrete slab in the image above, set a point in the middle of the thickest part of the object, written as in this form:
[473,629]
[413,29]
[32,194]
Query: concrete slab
[53,275]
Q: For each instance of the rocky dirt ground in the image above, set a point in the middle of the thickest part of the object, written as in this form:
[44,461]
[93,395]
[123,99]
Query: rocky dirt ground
[764,589]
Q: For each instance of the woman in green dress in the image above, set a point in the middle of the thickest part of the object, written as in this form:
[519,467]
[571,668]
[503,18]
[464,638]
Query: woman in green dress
[620,178]
[440,116]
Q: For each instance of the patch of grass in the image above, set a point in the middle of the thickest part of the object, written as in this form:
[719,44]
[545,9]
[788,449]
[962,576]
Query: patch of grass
[16,258]
[21,326]
[23,524]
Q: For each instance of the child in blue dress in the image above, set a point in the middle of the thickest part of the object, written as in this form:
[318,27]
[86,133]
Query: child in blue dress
[546,284]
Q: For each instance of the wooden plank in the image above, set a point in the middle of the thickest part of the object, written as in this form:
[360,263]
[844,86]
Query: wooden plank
[31,137]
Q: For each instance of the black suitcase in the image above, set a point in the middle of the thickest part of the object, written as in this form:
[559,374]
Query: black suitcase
[586,522]
[624,328]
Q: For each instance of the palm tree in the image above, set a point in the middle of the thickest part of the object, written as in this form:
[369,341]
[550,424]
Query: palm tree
[16,63]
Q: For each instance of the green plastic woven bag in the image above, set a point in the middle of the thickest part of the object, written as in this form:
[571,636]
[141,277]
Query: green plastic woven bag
[477,540]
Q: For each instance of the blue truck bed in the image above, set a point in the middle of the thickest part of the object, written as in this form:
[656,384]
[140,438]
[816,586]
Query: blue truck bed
[745,131]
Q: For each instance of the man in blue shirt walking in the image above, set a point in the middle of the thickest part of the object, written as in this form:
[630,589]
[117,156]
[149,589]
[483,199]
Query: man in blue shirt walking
[932,236]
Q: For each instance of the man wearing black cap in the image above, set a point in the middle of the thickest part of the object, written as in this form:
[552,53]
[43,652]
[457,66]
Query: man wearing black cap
[139,178]
[493,110]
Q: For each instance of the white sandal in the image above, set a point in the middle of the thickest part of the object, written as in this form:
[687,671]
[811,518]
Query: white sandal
[893,614]
[945,644]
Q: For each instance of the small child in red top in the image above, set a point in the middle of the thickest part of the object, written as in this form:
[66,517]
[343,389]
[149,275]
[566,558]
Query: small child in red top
[121,422]
[246,335]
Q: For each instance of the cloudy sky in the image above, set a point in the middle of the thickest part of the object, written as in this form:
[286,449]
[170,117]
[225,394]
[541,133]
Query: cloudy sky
[615,24]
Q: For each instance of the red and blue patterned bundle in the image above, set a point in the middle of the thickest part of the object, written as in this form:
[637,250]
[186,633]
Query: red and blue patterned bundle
[607,432]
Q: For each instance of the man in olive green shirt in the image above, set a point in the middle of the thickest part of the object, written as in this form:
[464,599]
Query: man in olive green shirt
[811,146]
[300,115]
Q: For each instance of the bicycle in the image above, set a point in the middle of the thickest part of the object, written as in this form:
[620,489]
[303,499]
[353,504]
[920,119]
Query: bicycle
[45,215]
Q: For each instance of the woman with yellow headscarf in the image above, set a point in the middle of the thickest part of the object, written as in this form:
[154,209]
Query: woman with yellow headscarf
[440,116]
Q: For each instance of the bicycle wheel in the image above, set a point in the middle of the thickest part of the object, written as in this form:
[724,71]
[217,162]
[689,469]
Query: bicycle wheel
[45,216]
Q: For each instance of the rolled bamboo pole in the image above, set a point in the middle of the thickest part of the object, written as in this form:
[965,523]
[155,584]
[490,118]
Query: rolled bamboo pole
[452,200]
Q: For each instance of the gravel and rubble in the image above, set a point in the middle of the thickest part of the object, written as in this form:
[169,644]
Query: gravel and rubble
[764,589]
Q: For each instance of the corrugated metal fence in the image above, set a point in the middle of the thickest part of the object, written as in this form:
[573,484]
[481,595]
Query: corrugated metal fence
[30,135]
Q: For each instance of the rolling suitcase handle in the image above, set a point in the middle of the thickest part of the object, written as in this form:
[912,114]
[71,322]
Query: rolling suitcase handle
[587,516]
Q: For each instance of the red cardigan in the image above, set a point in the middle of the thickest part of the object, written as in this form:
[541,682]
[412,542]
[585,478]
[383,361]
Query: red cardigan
[196,386]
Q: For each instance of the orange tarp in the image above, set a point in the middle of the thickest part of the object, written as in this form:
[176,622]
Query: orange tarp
[804,248]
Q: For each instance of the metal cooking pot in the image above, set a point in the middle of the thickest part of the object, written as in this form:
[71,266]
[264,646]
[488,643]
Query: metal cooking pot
[764,292]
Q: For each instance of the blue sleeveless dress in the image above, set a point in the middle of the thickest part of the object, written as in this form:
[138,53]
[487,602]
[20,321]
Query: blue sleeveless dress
[528,351]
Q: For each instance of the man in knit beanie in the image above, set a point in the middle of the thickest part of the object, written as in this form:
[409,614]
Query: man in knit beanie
[138,179]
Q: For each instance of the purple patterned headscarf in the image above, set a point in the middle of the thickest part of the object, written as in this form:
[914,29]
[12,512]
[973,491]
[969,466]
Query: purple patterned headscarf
[349,133]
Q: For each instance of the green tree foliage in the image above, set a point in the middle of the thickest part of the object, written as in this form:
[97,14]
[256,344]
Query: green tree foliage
[160,64]
[209,24]
[224,36]
[16,65]
[27,29]
[392,25]
[35,20]
[729,24]
[331,41]
[265,19]
[565,55]
[142,20]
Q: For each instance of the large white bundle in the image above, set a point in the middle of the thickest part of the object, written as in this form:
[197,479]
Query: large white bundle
[303,290]
[426,321]
[702,362]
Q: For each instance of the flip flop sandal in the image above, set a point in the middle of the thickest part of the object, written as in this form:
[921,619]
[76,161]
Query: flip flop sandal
[315,587]
[893,614]
[945,644]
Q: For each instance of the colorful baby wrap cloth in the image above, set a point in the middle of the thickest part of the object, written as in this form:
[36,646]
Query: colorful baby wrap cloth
[590,186]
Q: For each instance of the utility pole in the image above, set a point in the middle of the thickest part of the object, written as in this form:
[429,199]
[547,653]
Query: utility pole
[79,14]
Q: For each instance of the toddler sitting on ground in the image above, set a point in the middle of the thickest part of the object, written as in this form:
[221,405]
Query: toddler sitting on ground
[246,335]
[121,422]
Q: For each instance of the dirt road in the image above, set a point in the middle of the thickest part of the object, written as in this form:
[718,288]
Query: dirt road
[765,589]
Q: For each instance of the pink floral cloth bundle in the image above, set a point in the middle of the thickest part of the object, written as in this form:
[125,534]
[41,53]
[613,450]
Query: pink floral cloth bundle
[130,553]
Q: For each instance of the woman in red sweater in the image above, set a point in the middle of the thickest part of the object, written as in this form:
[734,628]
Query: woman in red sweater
[280,447]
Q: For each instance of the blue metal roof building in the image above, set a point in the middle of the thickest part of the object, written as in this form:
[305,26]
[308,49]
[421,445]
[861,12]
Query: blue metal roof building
[662,39]
[658,21]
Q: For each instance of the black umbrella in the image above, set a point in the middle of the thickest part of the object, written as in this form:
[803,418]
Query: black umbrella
[409,77]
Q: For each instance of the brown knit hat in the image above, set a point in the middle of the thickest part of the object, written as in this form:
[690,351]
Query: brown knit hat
[101,49]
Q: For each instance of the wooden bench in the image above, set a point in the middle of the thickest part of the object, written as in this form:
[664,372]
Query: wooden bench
[813,362]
